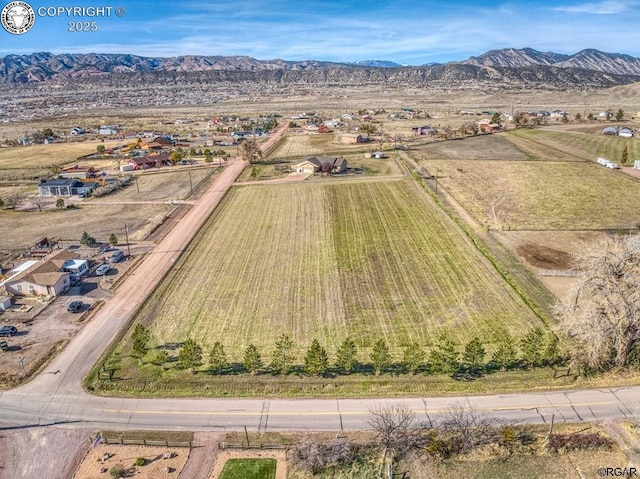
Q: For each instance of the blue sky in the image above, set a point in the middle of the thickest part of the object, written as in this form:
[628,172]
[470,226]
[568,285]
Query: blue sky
[406,32]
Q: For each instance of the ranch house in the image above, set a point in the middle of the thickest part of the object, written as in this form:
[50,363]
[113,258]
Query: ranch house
[65,187]
[352,138]
[47,277]
[313,164]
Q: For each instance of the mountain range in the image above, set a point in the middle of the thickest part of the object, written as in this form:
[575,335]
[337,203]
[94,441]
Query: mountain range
[587,68]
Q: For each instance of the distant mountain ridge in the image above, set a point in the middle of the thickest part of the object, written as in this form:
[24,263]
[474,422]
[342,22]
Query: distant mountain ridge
[589,68]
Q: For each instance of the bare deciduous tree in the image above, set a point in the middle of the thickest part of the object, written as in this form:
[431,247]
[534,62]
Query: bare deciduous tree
[249,150]
[602,315]
[467,428]
[395,432]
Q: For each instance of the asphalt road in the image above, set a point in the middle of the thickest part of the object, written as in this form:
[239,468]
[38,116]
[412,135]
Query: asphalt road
[56,397]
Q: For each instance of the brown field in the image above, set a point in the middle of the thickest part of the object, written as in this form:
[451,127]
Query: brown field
[162,185]
[68,224]
[516,195]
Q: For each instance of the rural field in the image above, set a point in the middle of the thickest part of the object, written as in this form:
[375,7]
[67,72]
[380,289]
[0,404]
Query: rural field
[374,260]
[540,195]
[37,160]
[161,185]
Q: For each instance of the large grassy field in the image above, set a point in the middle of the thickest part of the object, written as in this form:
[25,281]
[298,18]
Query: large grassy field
[541,195]
[567,145]
[374,260]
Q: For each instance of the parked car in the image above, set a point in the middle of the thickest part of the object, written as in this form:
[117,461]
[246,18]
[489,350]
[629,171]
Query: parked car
[74,306]
[103,269]
[116,256]
[8,331]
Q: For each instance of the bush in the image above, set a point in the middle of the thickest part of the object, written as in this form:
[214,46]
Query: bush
[577,442]
[140,461]
[117,471]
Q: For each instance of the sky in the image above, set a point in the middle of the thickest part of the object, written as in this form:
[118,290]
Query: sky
[405,32]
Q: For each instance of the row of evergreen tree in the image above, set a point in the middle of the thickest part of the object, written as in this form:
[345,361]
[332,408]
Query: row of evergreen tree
[534,349]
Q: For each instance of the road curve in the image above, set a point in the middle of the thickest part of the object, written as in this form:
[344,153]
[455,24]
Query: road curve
[56,396]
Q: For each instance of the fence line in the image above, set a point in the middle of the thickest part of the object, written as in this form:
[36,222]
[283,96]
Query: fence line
[228,445]
[144,442]
[558,272]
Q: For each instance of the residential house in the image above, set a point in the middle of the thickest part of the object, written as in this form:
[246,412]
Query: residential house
[108,130]
[43,278]
[313,164]
[490,127]
[65,187]
[76,171]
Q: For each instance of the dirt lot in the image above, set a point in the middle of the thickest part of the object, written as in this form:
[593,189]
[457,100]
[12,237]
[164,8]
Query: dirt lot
[484,147]
[46,328]
[157,466]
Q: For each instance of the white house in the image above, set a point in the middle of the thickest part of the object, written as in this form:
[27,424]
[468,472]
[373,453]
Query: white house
[108,130]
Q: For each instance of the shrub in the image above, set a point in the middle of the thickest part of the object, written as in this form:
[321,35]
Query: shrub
[117,471]
[577,442]
[140,461]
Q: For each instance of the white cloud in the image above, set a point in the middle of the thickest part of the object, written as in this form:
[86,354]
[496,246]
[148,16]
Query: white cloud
[607,7]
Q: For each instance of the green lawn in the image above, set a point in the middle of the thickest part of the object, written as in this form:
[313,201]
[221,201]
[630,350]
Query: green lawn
[249,469]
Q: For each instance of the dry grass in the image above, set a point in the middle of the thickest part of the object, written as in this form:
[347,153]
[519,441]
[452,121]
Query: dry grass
[162,185]
[326,261]
[541,195]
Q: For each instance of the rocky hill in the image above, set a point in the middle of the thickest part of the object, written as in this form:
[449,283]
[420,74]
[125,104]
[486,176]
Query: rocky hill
[508,68]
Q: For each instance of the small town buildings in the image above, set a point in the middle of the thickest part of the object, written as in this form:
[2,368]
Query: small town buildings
[313,164]
[65,187]
[351,138]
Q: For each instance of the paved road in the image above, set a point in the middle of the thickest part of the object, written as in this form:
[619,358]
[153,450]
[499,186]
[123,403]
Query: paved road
[56,395]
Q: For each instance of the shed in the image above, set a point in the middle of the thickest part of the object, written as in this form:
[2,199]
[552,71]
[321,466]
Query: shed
[611,131]
[636,164]
[5,302]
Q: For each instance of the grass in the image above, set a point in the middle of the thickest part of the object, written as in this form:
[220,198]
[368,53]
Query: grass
[249,469]
[541,195]
[326,261]
[573,145]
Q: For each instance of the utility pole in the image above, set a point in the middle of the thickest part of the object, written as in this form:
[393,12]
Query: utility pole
[190,184]
[137,187]
[126,235]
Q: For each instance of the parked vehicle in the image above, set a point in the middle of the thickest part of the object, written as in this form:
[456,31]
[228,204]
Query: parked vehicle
[103,269]
[8,331]
[74,306]
[116,256]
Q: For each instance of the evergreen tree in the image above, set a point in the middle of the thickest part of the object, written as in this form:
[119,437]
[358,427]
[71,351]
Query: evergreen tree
[140,338]
[473,355]
[252,361]
[551,355]
[380,356]
[282,358]
[316,361]
[443,359]
[218,358]
[60,202]
[113,239]
[413,358]
[86,239]
[531,347]
[190,356]
[505,354]
[161,358]
[619,115]
[347,356]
